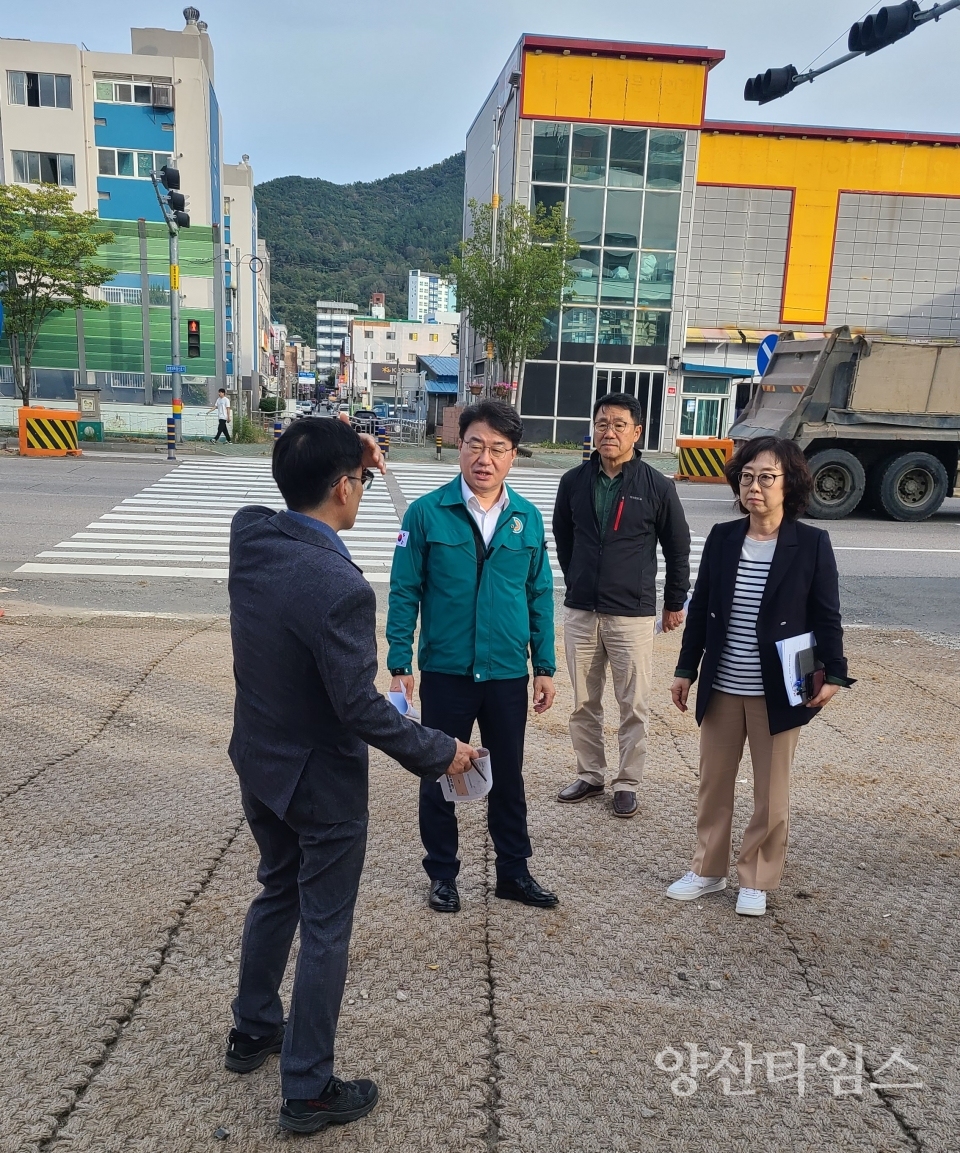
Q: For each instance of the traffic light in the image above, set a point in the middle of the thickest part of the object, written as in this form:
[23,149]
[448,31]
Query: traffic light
[770,85]
[888,25]
[193,338]
[170,179]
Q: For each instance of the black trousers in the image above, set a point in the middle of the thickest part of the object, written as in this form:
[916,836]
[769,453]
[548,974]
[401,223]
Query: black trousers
[222,428]
[310,873]
[453,704]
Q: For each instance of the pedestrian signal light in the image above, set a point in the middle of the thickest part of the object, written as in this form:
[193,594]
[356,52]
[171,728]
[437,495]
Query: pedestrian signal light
[891,23]
[193,338]
[170,177]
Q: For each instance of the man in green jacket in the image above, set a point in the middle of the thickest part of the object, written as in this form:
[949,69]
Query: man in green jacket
[471,560]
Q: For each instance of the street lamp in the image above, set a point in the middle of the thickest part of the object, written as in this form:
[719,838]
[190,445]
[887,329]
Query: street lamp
[255,265]
[498,118]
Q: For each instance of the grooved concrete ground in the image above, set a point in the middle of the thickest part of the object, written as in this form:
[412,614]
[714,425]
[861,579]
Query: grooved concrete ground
[125,871]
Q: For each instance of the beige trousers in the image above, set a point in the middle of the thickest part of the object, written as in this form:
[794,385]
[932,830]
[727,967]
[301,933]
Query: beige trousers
[593,641]
[729,721]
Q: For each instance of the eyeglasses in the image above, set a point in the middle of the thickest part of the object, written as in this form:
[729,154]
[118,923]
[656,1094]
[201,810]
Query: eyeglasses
[497,451]
[765,479]
[365,478]
[618,426]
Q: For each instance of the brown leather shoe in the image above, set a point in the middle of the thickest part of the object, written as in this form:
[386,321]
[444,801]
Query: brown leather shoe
[578,791]
[624,803]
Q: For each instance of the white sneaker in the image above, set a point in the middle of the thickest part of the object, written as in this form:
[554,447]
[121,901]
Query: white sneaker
[751,902]
[691,885]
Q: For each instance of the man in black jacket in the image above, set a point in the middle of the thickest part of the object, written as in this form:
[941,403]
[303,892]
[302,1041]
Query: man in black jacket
[303,624]
[610,514]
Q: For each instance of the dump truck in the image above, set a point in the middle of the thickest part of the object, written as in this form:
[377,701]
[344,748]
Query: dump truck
[878,420]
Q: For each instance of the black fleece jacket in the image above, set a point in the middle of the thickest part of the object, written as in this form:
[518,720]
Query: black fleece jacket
[617,575]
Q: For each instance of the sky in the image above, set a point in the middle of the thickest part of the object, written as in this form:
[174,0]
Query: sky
[355,91]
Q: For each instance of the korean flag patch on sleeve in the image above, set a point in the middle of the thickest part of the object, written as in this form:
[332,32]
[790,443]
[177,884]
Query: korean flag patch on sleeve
[402,538]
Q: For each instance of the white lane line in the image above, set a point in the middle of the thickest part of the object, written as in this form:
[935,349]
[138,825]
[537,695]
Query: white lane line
[192,558]
[114,545]
[123,570]
[878,548]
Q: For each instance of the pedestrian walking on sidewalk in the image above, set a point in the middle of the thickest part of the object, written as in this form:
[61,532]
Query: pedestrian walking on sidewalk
[764,578]
[609,516]
[471,561]
[222,408]
[303,624]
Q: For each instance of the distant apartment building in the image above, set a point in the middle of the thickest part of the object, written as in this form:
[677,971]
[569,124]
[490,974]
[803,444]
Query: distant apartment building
[98,124]
[333,327]
[430,296]
[382,348]
[246,275]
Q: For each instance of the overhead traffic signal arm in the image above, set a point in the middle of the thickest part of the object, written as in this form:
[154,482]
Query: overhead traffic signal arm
[889,24]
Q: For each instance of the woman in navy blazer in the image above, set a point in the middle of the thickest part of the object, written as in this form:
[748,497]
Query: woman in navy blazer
[762,579]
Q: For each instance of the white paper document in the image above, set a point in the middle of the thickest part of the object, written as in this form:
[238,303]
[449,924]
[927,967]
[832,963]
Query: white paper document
[404,707]
[787,650]
[473,785]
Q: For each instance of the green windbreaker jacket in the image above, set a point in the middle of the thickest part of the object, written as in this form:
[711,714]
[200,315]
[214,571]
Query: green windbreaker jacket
[483,628]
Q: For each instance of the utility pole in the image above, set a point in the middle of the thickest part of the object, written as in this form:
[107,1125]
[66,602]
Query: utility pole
[172,205]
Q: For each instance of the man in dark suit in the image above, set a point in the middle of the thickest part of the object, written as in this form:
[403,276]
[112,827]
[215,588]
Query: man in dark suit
[303,624]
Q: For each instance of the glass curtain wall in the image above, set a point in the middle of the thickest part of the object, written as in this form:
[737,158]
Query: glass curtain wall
[620,188]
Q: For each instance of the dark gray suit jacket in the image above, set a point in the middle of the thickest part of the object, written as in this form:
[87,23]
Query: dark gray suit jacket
[303,624]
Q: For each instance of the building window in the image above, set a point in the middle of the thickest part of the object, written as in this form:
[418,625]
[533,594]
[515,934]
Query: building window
[413,336]
[391,336]
[551,147]
[368,334]
[44,168]
[123,162]
[434,336]
[123,92]
[391,356]
[40,89]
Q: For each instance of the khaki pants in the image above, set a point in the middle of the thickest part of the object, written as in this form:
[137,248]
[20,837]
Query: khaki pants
[729,721]
[591,642]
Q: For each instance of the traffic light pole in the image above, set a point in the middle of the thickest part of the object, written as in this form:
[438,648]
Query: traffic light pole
[175,329]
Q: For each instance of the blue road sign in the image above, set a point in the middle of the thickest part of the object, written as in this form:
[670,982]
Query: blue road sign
[765,352]
[176,368]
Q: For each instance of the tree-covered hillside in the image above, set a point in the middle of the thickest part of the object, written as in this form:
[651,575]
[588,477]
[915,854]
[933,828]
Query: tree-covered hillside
[344,241]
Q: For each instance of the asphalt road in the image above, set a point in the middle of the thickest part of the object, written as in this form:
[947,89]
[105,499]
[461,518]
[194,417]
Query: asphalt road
[892,575]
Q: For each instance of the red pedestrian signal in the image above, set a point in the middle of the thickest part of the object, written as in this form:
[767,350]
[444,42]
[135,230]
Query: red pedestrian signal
[193,338]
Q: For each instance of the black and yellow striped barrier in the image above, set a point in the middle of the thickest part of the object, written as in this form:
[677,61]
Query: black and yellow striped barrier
[703,458]
[48,432]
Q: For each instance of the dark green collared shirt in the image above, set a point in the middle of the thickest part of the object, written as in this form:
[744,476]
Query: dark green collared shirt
[606,489]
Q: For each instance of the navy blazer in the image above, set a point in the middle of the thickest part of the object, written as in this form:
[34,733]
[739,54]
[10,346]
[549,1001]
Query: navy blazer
[801,595]
[303,624]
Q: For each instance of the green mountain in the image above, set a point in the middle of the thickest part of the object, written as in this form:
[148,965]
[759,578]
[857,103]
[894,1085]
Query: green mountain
[343,241]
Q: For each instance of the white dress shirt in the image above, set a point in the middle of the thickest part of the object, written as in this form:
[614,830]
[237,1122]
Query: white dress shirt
[486,518]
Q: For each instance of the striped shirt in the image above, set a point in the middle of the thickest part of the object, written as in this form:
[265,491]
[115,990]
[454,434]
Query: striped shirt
[739,669]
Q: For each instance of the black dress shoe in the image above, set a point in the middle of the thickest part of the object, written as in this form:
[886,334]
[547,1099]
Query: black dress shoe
[527,892]
[578,791]
[340,1102]
[246,1053]
[444,897]
[624,803]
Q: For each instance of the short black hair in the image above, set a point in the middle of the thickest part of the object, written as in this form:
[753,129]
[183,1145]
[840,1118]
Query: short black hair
[620,400]
[797,479]
[501,417]
[221,390]
[309,458]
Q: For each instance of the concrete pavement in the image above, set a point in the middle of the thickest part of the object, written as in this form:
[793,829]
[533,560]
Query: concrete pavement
[126,870]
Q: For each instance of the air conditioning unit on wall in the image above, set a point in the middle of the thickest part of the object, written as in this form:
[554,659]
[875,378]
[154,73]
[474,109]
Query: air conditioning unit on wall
[163,96]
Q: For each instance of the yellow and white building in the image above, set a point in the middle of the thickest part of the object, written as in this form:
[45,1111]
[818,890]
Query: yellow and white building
[697,237]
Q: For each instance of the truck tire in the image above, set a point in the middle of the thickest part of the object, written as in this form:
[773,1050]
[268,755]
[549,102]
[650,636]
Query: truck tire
[838,484]
[912,486]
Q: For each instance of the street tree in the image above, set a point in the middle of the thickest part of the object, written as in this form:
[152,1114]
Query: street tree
[47,263]
[512,273]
